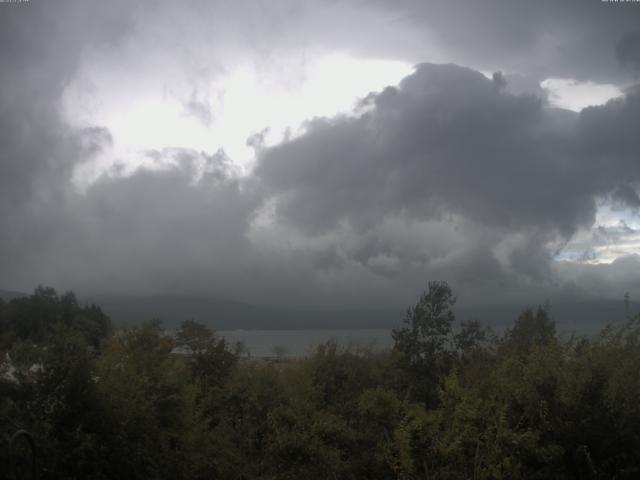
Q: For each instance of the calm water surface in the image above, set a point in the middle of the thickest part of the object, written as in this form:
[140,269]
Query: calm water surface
[271,343]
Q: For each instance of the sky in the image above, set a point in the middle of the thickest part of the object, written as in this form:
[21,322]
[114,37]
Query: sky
[321,154]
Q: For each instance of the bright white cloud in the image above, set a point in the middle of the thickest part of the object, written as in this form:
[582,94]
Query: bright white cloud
[246,100]
[615,233]
[575,95]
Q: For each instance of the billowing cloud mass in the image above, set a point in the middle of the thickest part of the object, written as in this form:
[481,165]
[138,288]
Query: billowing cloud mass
[584,40]
[496,182]
[451,174]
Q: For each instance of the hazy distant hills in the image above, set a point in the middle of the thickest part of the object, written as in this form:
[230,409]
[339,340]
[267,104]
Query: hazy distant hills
[230,315]
[584,316]
[580,316]
[7,295]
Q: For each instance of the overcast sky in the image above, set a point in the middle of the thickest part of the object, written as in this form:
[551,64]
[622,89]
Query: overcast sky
[321,154]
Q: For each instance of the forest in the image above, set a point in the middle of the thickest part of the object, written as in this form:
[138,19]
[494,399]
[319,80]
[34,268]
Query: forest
[450,400]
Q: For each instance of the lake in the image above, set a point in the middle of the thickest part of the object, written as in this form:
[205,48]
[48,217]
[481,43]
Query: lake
[294,343]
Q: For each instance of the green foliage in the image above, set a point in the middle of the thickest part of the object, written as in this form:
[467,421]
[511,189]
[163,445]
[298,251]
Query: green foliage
[425,344]
[35,318]
[210,358]
[194,336]
[532,328]
[448,402]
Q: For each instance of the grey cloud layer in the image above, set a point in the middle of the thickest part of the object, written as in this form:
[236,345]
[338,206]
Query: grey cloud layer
[40,45]
[446,176]
[450,175]
[446,140]
[586,40]
[514,177]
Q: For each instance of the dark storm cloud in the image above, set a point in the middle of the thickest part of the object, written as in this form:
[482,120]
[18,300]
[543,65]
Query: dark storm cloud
[521,175]
[608,138]
[40,47]
[40,44]
[522,84]
[626,196]
[447,140]
[152,231]
[547,38]
[628,50]
[451,175]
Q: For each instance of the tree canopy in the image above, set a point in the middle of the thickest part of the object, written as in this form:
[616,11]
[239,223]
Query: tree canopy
[450,400]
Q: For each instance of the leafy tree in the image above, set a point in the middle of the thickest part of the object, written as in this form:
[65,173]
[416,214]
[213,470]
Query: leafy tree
[58,404]
[425,342]
[530,329]
[467,404]
[35,318]
[210,357]
[141,385]
[194,336]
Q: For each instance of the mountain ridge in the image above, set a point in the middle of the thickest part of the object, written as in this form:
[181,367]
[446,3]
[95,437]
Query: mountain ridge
[581,316]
